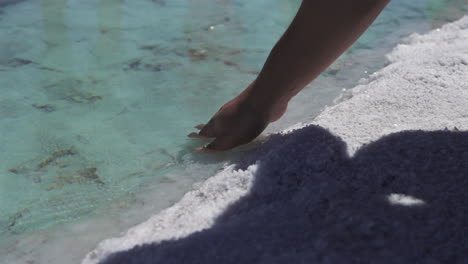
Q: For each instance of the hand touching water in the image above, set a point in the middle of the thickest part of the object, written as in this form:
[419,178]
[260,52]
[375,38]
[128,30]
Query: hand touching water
[238,122]
[315,38]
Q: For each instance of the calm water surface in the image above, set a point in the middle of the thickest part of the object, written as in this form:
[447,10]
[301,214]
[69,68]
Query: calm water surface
[97,97]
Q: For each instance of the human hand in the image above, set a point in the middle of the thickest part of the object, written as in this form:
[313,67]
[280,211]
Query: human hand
[237,122]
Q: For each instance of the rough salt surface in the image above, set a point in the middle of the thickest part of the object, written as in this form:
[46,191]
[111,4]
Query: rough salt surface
[378,178]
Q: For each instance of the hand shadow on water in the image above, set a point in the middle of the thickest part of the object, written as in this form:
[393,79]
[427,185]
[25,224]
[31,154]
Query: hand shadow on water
[312,203]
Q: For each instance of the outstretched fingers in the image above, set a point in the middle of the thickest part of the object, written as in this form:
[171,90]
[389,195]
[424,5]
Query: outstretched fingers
[205,132]
[199,126]
[194,135]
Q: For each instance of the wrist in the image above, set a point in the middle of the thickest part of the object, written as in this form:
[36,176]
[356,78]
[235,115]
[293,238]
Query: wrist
[264,101]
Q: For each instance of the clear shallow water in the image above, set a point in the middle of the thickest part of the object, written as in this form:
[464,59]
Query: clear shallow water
[97,98]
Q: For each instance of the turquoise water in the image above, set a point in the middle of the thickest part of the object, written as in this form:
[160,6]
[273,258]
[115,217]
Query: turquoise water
[98,96]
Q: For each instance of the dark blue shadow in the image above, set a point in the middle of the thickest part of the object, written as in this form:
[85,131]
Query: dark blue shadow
[312,203]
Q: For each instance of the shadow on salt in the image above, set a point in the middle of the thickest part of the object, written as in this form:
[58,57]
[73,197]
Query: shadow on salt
[400,199]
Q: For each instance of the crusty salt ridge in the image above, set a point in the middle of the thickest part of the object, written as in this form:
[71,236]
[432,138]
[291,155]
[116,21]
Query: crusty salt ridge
[424,87]
[195,211]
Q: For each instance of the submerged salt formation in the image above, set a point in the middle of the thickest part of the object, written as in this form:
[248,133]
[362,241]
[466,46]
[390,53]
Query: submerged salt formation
[378,178]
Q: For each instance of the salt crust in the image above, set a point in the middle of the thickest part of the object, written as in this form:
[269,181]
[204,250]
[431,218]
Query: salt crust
[424,87]
[197,210]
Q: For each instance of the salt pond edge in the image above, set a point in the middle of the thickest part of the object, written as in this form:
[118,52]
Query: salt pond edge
[423,88]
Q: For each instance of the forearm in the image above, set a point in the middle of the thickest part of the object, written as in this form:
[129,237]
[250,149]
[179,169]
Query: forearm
[321,31]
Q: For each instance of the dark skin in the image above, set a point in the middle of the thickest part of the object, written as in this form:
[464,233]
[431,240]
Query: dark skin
[320,32]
